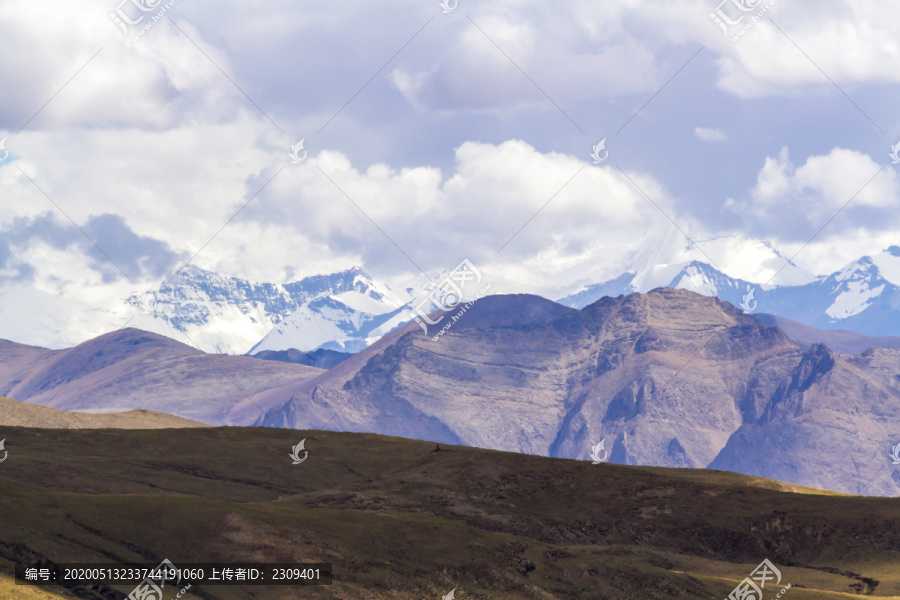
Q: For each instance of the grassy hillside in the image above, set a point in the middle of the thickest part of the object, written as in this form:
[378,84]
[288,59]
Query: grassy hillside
[399,519]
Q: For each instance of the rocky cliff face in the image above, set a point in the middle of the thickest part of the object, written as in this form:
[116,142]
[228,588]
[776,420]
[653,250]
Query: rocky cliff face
[830,425]
[668,378]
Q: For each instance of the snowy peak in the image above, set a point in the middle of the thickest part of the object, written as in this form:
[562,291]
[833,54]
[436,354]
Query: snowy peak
[863,284]
[231,315]
[884,267]
[331,324]
[695,276]
[621,285]
[701,278]
[863,297]
[348,310]
[888,264]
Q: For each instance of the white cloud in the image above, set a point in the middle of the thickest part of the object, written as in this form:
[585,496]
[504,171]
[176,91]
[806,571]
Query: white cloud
[834,208]
[710,134]
[157,134]
[823,185]
[588,50]
[190,182]
[568,59]
[437,220]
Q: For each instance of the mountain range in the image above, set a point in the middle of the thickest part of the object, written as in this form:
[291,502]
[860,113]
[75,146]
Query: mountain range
[349,310]
[669,378]
[863,297]
[343,312]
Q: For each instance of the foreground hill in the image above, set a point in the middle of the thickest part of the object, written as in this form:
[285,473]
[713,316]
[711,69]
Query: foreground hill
[669,378]
[21,414]
[132,369]
[404,519]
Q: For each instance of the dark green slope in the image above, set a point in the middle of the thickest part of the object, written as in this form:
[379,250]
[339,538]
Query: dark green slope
[399,519]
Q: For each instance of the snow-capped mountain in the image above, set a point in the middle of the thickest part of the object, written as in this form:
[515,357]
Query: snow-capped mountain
[863,297]
[342,311]
[39,318]
[695,276]
[345,322]
[349,310]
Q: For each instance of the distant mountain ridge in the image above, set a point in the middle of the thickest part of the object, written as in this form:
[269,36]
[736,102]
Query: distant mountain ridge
[229,315]
[132,369]
[321,358]
[669,378]
[349,310]
[863,297]
[839,340]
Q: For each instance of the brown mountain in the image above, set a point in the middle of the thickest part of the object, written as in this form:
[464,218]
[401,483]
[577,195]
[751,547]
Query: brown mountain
[21,414]
[133,369]
[668,378]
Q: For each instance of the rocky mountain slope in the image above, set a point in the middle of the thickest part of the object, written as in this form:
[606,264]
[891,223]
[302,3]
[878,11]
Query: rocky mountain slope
[669,378]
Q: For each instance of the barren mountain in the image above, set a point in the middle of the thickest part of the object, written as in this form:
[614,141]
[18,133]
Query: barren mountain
[22,414]
[132,369]
[668,378]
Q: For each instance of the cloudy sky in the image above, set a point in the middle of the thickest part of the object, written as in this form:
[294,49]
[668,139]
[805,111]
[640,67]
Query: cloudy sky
[433,136]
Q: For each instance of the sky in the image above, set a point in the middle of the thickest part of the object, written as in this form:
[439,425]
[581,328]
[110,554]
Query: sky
[142,135]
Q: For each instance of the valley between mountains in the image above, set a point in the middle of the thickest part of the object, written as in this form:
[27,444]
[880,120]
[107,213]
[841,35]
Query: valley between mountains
[668,378]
